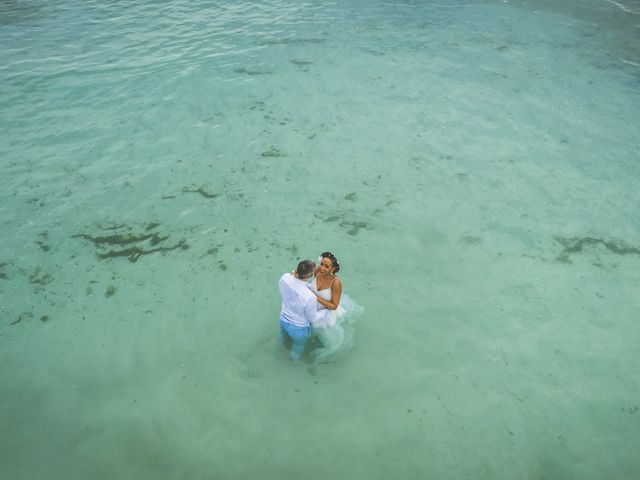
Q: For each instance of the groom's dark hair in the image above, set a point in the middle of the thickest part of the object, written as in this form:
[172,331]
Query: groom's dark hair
[305,268]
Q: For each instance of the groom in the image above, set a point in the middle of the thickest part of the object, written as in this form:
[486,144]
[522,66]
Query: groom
[299,308]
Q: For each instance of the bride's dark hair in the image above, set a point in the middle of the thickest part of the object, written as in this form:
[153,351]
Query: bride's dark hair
[334,261]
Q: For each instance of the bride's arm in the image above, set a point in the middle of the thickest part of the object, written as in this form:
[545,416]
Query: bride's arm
[336,293]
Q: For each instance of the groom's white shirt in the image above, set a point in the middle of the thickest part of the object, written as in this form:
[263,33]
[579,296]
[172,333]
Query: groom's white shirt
[298,302]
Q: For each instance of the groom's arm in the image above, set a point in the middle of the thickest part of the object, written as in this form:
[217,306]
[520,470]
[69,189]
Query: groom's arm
[311,313]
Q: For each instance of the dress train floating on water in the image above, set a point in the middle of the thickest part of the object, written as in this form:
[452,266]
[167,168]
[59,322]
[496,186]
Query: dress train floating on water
[335,331]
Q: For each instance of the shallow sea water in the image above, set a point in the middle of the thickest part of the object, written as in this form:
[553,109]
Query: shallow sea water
[475,167]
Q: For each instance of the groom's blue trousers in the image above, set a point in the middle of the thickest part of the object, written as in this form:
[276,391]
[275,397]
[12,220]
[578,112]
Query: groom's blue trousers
[299,335]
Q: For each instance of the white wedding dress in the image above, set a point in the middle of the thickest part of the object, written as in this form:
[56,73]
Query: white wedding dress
[335,330]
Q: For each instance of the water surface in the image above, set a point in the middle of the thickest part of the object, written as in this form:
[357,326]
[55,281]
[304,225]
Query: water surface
[474,166]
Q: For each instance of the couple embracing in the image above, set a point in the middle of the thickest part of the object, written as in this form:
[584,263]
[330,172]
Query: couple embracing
[313,304]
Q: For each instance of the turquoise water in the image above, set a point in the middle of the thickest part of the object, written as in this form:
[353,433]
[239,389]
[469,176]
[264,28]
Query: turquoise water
[474,166]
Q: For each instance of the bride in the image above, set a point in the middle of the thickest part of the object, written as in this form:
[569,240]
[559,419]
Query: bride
[334,331]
